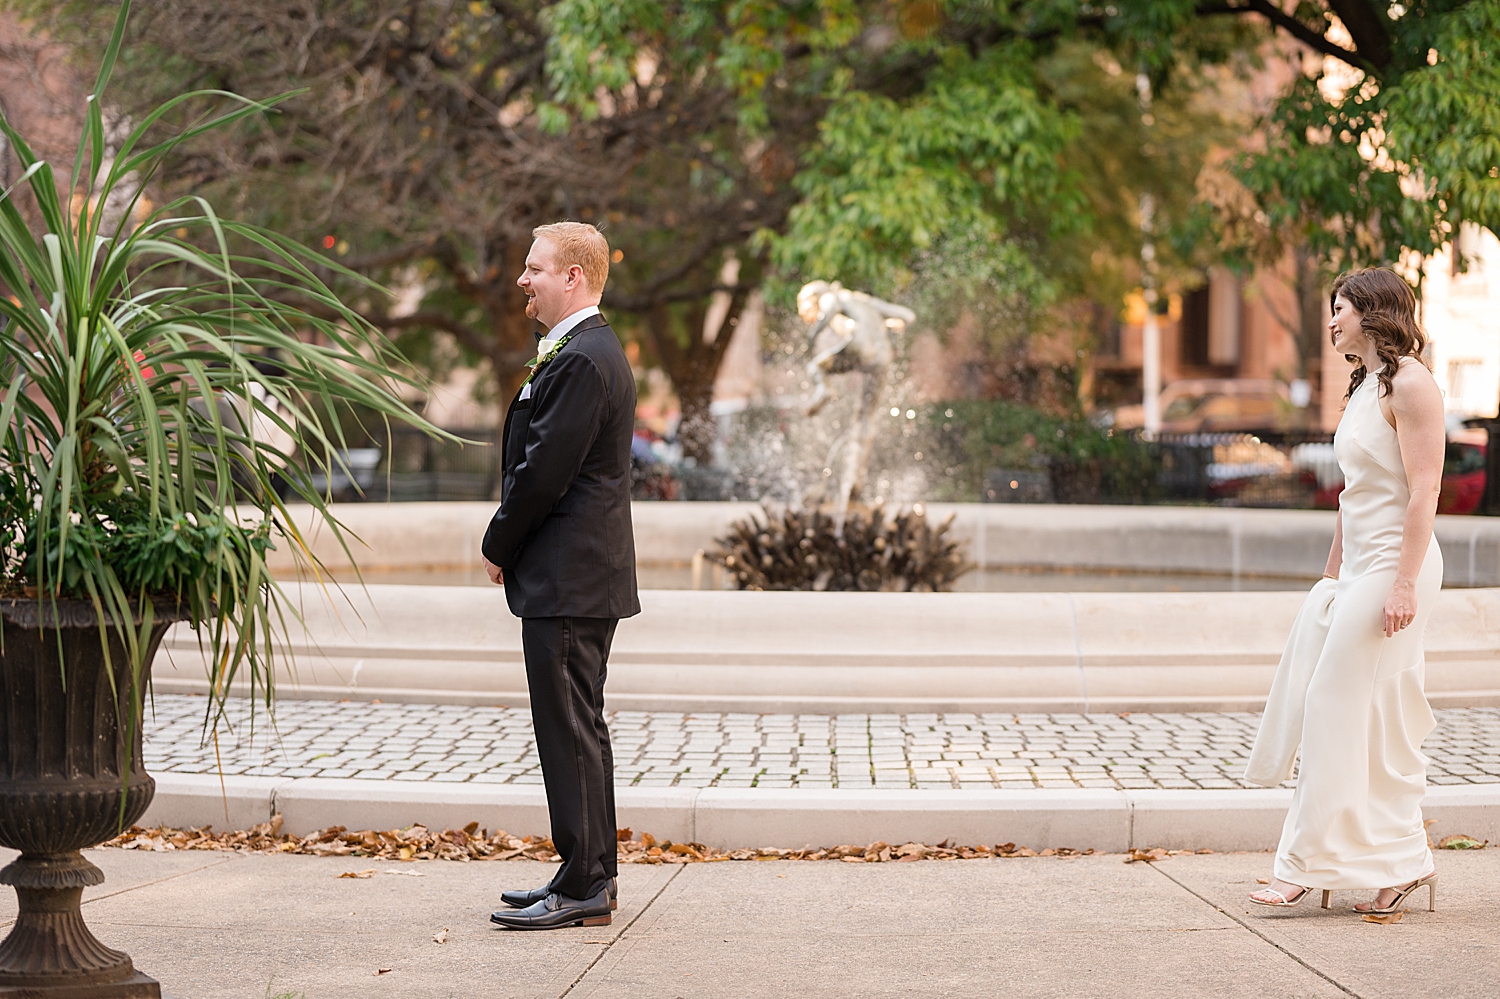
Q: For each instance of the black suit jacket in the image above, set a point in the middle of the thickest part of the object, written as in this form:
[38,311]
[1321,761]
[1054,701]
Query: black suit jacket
[563,533]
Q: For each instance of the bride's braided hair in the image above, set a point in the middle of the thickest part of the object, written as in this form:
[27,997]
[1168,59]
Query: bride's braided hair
[1387,315]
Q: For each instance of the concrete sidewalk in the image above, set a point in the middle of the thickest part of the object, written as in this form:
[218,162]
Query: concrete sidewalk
[225,926]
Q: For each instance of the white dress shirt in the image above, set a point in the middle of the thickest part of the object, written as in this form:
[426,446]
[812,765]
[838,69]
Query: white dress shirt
[556,333]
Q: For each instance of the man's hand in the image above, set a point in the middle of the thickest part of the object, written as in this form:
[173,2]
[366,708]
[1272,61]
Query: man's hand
[496,574]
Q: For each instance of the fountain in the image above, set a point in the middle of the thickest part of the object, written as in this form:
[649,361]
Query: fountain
[864,325]
[845,543]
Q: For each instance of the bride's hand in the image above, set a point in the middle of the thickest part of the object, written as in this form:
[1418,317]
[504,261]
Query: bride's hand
[1400,607]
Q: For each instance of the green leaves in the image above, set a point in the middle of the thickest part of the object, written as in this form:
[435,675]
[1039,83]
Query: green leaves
[1444,119]
[1391,164]
[975,152]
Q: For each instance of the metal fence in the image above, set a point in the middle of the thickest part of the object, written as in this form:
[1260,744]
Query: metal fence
[1287,470]
[406,465]
[1251,470]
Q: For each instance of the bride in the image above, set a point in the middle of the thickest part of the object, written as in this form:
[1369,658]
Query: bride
[1349,687]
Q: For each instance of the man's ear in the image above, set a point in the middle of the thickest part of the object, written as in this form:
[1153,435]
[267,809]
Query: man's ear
[575,276]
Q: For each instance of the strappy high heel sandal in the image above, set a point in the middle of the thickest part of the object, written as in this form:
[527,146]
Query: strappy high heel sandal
[1430,881]
[1288,903]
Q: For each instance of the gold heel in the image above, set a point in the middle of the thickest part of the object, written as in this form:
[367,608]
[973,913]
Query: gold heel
[1430,881]
[1327,894]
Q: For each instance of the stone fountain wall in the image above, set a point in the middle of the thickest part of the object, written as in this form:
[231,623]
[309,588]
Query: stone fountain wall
[1292,544]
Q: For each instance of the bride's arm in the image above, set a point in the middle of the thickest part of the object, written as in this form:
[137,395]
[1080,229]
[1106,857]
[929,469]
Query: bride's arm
[1417,405]
[1336,553]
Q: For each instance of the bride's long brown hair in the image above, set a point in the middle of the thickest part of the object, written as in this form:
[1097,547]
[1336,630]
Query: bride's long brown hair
[1387,315]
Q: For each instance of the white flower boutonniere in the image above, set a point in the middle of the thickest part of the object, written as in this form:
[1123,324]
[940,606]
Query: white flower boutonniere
[543,357]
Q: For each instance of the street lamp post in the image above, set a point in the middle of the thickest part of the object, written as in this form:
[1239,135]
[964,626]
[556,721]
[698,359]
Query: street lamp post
[1151,330]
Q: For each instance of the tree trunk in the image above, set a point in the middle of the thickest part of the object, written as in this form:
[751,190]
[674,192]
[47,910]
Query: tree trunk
[698,430]
[513,337]
[1310,332]
[694,367]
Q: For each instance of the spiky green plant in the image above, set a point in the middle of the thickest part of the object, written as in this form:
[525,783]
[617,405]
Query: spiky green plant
[141,423]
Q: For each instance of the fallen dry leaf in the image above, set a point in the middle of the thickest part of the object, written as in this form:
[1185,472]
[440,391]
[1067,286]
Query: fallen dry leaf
[1146,856]
[1462,841]
[419,843]
[359,874]
[1385,918]
[441,936]
[1262,881]
[382,971]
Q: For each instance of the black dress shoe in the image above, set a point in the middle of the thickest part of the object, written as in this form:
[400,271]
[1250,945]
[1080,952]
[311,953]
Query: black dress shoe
[556,911]
[521,899]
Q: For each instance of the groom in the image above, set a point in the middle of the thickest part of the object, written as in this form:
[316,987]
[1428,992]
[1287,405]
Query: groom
[561,545]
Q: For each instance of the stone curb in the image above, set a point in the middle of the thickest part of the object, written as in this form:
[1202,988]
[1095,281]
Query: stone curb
[730,818]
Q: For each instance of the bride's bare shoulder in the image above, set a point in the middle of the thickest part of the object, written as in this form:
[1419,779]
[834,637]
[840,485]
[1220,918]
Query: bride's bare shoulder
[1412,369]
[1413,383]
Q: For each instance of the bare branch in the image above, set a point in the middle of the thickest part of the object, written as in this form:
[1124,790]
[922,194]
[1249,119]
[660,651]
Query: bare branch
[1301,32]
[471,338]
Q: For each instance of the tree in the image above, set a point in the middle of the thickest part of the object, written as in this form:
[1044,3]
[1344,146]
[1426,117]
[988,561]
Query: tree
[851,138]
[432,137]
[1377,158]
[1360,174]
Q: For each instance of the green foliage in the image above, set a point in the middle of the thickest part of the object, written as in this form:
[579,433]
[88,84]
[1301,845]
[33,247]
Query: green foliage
[973,154]
[869,141]
[140,429]
[1118,157]
[1087,464]
[945,117]
[1318,185]
[1444,120]
[1393,163]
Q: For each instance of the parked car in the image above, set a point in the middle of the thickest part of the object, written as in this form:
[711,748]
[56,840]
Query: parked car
[1213,405]
[1463,473]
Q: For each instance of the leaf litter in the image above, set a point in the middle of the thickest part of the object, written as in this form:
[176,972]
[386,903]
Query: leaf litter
[1139,856]
[1385,918]
[471,843]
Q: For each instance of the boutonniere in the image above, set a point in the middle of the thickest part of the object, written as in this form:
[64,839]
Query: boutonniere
[543,357]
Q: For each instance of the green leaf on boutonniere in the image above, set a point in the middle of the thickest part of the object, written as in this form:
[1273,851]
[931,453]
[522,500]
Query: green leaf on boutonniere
[536,363]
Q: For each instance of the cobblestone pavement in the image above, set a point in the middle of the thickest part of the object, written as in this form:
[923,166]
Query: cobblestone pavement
[444,742]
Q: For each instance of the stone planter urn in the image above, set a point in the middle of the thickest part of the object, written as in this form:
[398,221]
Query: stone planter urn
[70,756]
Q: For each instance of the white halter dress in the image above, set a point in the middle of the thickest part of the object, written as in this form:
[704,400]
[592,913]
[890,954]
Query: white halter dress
[1351,697]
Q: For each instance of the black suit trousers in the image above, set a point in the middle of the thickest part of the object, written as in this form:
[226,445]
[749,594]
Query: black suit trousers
[566,659]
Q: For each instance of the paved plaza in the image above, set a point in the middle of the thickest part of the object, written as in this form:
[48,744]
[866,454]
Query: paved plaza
[492,745]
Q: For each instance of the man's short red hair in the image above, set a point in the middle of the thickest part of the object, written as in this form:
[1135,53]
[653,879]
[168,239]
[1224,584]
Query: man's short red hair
[579,243]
